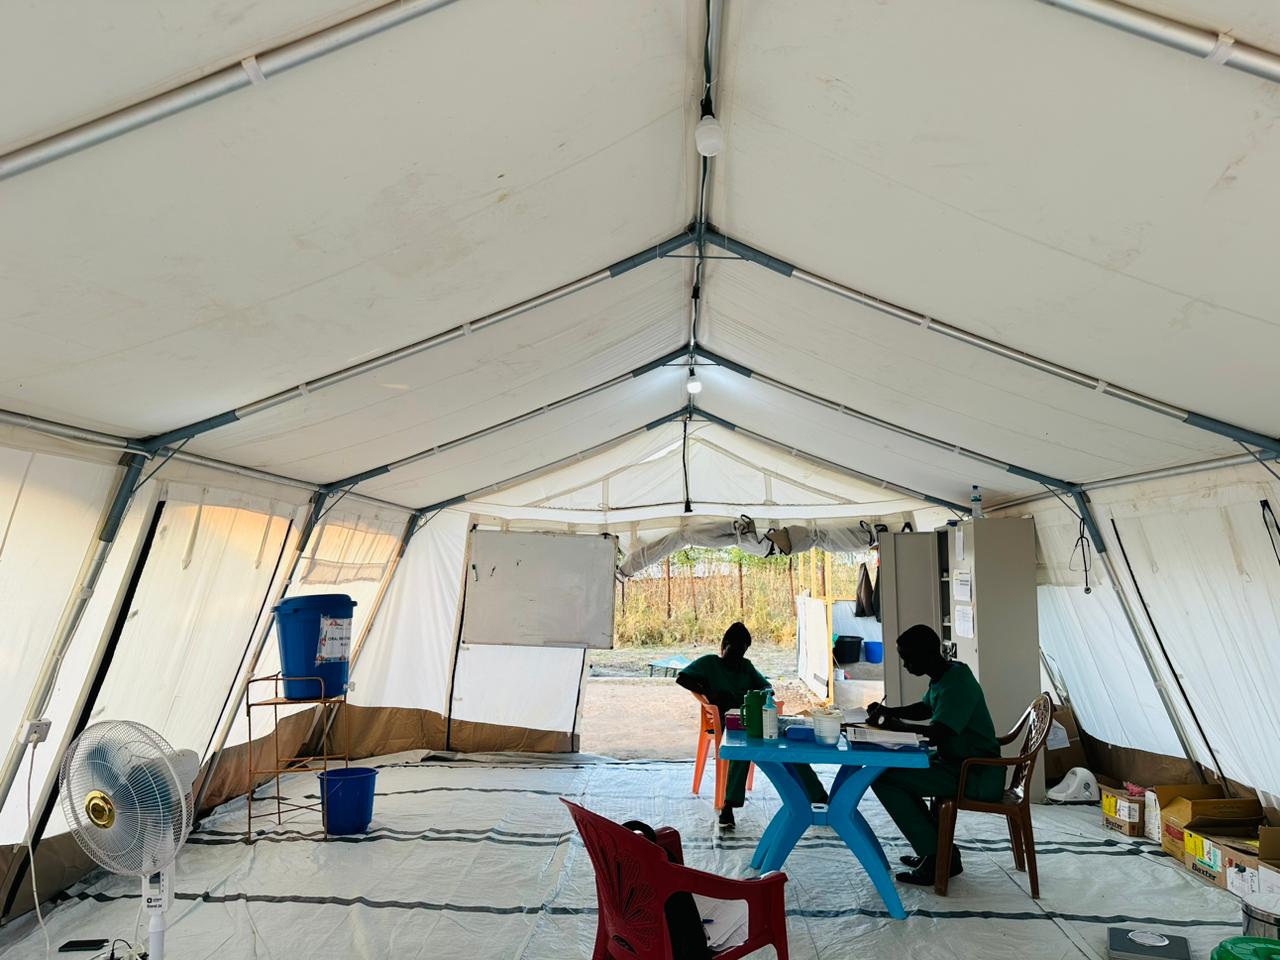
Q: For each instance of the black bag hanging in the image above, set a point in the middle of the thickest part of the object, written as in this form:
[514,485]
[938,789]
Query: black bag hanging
[864,605]
[684,922]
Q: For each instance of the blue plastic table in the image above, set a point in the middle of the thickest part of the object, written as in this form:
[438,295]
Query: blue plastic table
[859,766]
[670,666]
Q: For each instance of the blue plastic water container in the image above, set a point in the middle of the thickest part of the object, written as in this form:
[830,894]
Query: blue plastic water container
[873,651]
[346,798]
[298,629]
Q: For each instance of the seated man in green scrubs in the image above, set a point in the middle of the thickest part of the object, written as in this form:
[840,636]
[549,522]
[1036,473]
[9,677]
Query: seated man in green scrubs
[725,680]
[956,721]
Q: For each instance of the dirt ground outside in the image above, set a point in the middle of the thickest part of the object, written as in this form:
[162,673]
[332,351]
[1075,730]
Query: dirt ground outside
[628,715]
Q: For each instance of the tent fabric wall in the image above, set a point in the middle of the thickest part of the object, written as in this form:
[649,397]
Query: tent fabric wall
[1087,639]
[348,552]
[50,510]
[1205,563]
[194,611]
[406,659]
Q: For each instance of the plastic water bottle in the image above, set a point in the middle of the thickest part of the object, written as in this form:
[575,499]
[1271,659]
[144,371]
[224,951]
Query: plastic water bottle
[975,502]
[769,718]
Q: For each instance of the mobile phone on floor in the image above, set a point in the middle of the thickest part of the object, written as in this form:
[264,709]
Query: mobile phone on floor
[79,946]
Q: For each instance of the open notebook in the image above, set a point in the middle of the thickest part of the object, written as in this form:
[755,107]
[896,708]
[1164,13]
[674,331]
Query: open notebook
[858,733]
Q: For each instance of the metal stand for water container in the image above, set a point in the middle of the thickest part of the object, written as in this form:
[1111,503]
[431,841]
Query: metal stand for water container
[314,763]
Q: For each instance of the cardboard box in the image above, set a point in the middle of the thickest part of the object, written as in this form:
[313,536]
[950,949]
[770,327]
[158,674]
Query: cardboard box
[1234,818]
[1211,857]
[1269,860]
[1269,878]
[1122,813]
[1233,863]
[1158,797]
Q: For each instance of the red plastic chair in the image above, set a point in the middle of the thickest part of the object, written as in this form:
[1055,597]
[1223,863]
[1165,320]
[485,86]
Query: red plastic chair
[634,880]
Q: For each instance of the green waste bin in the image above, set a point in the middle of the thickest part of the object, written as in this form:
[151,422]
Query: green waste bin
[1247,948]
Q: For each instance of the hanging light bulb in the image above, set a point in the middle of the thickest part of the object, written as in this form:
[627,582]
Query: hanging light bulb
[708,136]
[693,384]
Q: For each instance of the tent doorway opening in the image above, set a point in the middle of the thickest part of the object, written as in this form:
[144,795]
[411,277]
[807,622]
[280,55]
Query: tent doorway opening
[677,609]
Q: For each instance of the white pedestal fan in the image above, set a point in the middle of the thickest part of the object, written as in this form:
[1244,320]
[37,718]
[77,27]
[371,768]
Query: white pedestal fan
[126,795]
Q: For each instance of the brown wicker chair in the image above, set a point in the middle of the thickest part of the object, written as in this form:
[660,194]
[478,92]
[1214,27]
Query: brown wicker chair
[1014,806]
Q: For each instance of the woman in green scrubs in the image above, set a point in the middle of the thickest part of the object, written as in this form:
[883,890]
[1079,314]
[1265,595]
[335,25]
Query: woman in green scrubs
[725,680]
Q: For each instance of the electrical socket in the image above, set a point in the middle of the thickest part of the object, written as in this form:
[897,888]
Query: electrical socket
[37,731]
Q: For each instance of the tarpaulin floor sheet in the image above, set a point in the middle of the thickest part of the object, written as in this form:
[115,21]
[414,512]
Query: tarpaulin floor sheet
[475,856]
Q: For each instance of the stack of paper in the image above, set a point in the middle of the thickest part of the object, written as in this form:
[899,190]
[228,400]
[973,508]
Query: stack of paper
[883,738]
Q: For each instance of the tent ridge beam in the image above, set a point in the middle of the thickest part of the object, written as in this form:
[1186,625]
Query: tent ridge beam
[1219,48]
[932,325]
[823,462]
[656,252]
[538,411]
[237,76]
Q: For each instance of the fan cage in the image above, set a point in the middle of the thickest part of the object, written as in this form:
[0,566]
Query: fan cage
[152,808]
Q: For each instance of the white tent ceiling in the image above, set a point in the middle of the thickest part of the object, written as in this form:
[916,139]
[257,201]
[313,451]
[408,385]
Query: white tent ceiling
[1023,173]
[1088,197]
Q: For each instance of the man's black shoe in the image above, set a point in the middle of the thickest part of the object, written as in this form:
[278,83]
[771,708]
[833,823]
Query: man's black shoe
[726,818]
[912,861]
[924,873]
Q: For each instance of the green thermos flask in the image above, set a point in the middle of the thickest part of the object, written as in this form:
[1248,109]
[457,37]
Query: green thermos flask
[752,715]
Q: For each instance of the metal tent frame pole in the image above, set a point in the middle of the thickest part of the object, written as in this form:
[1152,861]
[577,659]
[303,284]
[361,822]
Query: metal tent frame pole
[562,461]
[1220,48]
[264,632]
[457,332]
[1153,669]
[252,70]
[931,325]
[874,421]
[828,464]
[72,614]
[509,422]
[107,441]
[1161,473]
[90,690]
[412,526]
[415,523]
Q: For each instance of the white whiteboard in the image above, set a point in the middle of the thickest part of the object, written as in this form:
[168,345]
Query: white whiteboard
[539,589]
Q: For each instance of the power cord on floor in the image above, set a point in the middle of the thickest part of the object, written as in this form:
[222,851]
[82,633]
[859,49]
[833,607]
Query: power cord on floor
[31,852]
[130,952]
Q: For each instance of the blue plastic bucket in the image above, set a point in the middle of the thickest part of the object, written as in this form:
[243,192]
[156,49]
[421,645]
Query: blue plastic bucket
[873,651]
[302,623]
[346,798]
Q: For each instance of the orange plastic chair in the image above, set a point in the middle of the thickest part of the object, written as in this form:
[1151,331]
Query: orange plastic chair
[710,733]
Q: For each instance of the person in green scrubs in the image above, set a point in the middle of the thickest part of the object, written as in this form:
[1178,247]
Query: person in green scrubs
[725,680]
[954,718]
